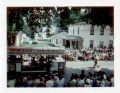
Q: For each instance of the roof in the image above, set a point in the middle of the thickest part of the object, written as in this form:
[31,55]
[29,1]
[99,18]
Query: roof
[59,35]
[40,45]
[65,35]
[73,37]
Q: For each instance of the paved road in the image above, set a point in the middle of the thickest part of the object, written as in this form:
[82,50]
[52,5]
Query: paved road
[76,67]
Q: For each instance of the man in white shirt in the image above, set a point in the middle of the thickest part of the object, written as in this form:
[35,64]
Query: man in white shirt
[49,82]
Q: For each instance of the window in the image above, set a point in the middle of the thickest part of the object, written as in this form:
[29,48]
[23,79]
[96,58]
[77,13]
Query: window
[101,44]
[111,43]
[92,30]
[102,30]
[78,30]
[56,41]
[111,31]
[91,43]
[73,31]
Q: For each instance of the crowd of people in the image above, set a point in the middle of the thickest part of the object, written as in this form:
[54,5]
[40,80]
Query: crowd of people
[86,54]
[43,63]
[96,79]
[102,54]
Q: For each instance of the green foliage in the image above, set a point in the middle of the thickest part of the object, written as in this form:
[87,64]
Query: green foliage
[26,19]
[100,16]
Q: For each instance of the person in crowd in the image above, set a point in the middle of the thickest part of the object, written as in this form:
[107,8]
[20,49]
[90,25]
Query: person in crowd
[104,75]
[73,81]
[108,82]
[33,62]
[30,81]
[81,81]
[49,82]
[18,82]
[11,82]
[37,81]
[95,78]
[48,65]
[88,81]
[61,82]
[24,82]
[56,80]
[112,79]
[82,74]
[41,63]
[101,82]
[42,82]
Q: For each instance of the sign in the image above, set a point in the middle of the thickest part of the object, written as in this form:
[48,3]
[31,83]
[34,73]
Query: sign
[35,51]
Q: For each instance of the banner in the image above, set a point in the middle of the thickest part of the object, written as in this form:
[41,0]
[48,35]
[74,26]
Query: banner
[35,51]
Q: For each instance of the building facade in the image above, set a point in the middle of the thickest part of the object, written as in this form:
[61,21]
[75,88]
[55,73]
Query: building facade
[65,40]
[84,35]
[79,36]
[93,36]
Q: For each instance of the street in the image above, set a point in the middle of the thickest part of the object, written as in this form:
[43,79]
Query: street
[76,67]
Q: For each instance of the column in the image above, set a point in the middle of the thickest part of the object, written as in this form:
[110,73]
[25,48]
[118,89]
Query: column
[71,45]
[75,44]
[65,43]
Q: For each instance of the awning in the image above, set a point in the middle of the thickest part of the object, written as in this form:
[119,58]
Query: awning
[72,37]
[47,51]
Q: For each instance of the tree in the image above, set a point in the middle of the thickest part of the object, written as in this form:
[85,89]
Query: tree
[27,19]
[100,16]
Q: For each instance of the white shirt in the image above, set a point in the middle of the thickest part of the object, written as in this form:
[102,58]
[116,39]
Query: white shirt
[36,81]
[49,83]
[81,83]
[11,83]
[89,83]
[97,69]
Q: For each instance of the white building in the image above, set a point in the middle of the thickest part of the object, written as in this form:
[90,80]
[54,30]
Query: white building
[93,36]
[63,39]
[84,35]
